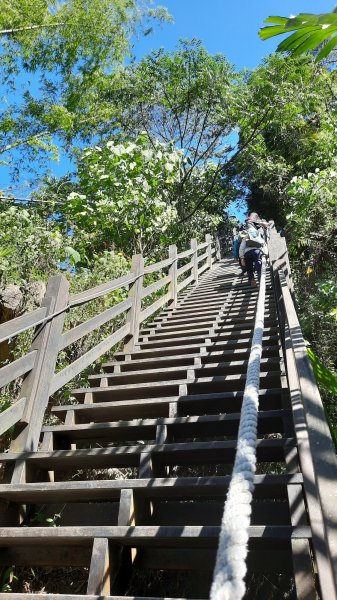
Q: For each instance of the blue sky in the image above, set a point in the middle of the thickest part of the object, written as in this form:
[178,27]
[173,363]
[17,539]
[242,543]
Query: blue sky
[226,26]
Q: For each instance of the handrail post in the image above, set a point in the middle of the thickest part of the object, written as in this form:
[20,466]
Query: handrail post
[36,385]
[173,273]
[217,248]
[135,293]
[194,247]
[208,239]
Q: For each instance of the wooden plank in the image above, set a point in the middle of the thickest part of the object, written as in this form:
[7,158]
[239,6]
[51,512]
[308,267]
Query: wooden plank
[173,274]
[135,294]
[101,290]
[184,269]
[194,247]
[157,266]
[69,337]
[171,384]
[12,415]
[147,312]
[185,283]
[303,570]
[38,596]
[68,373]
[266,486]
[222,452]
[203,268]
[321,447]
[139,536]
[179,427]
[17,368]
[185,254]
[27,321]
[99,571]
[203,256]
[203,245]
[209,240]
[194,404]
[36,386]
[156,286]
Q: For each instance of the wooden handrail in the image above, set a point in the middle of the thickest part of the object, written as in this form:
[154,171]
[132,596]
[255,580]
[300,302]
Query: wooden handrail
[319,462]
[38,365]
[27,321]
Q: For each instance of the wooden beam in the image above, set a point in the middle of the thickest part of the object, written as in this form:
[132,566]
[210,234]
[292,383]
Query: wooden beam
[135,294]
[99,571]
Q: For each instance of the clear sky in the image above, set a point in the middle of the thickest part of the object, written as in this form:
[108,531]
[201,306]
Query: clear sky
[226,26]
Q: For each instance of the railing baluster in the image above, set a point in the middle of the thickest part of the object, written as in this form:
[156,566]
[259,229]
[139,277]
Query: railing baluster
[208,239]
[135,292]
[194,247]
[173,273]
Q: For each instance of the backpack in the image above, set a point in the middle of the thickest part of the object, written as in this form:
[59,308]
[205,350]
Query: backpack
[254,238]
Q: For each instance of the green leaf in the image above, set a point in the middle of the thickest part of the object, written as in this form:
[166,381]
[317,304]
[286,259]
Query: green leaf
[268,32]
[327,48]
[276,20]
[302,20]
[292,42]
[312,42]
[325,377]
[72,254]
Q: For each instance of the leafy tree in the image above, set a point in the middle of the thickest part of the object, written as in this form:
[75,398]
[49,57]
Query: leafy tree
[122,198]
[297,135]
[52,56]
[289,174]
[191,98]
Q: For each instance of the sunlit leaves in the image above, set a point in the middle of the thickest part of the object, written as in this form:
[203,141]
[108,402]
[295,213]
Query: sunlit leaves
[124,195]
[310,32]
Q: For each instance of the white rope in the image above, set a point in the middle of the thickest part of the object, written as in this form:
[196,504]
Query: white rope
[230,568]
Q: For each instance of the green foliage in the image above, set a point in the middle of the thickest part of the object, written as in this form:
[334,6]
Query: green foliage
[8,578]
[123,196]
[53,55]
[190,97]
[31,247]
[311,31]
[324,376]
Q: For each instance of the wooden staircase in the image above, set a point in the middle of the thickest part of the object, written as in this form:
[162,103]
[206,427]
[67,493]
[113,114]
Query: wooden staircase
[138,467]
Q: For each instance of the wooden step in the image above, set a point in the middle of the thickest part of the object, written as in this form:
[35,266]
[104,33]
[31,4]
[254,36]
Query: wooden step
[218,330]
[178,428]
[168,388]
[212,368]
[221,319]
[195,404]
[186,359]
[175,454]
[188,348]
[266,486]
[217,337]
[140,536]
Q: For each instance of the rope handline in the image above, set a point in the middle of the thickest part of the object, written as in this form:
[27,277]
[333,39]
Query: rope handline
[230,568]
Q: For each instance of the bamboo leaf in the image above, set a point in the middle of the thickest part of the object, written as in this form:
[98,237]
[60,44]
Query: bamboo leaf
[312,42]
[294,40]
[276,20]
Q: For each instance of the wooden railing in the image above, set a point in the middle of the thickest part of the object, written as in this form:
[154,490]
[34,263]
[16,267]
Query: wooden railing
[315,446]
[39,364]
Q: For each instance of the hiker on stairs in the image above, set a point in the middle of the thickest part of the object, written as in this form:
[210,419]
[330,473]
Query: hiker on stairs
[253,246]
